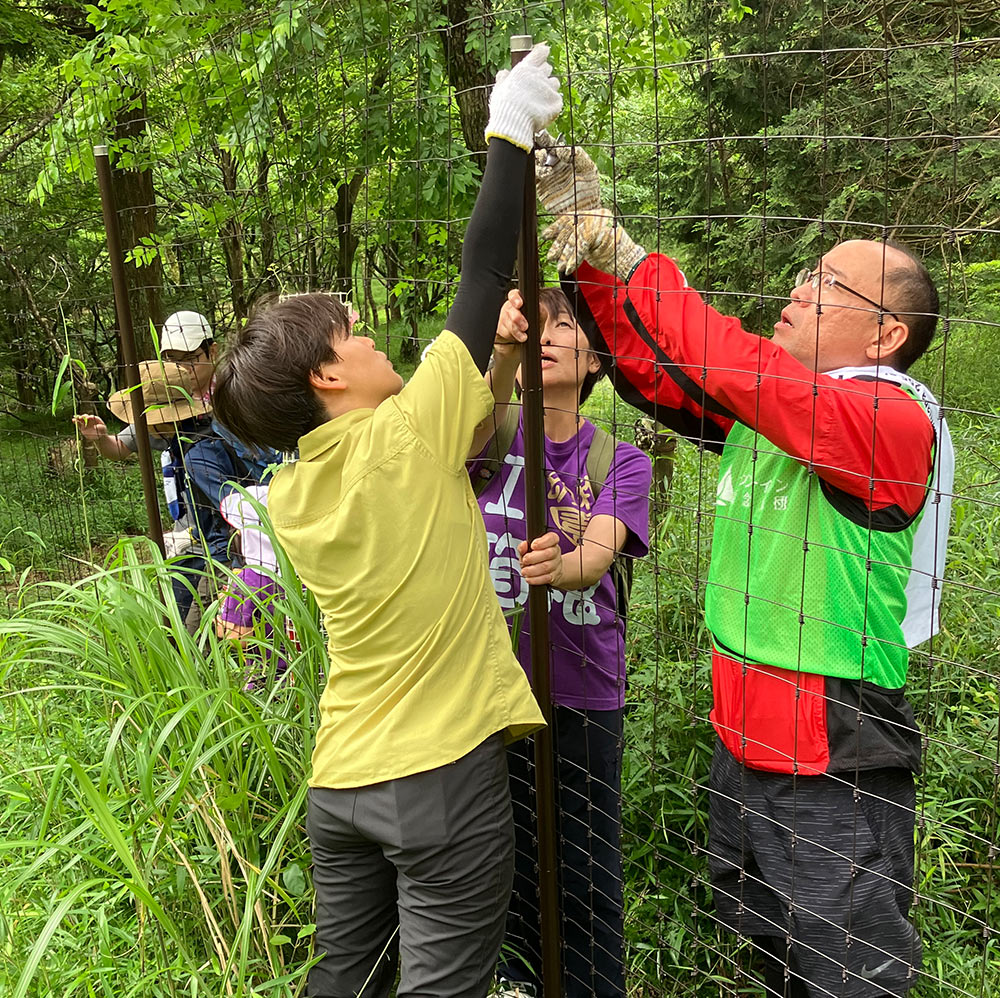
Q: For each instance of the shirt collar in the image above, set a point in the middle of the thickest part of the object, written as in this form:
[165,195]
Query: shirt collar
[320,440]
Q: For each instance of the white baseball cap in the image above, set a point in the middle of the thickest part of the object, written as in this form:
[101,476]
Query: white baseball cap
[184,331]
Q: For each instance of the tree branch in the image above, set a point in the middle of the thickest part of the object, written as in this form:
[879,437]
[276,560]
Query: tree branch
[27,136]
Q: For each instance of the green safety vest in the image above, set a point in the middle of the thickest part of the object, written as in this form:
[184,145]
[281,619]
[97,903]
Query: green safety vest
[794,583]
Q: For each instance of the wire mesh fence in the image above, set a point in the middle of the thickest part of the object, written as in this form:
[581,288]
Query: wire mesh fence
[338,148]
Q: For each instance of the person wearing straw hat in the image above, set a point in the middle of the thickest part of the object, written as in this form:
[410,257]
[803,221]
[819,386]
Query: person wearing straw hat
[186,339]
[830,534]
[204,465]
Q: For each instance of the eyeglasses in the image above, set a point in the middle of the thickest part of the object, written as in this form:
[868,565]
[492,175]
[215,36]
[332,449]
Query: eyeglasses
[182,357]
[814,277]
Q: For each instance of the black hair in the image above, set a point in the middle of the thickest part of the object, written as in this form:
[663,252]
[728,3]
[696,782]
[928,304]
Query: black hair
[554,302]
[262,392]
[911,290]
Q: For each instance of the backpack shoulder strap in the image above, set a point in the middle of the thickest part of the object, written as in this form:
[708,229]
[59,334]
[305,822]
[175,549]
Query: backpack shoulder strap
[239,465]
[497,450]
[599,458]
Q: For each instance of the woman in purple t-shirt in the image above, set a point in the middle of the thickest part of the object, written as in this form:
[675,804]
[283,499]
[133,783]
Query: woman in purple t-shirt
[587,643]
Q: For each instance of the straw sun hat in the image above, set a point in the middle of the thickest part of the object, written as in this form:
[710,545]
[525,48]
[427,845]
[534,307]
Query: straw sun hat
[167,392]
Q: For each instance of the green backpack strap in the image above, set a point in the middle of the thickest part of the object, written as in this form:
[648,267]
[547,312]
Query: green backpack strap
[599,458]
[497,450]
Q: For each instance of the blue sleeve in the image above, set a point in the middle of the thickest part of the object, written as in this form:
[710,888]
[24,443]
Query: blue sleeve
[210,469]
[126,437]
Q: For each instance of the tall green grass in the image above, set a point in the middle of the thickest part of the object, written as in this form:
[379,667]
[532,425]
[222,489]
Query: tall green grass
[154,809]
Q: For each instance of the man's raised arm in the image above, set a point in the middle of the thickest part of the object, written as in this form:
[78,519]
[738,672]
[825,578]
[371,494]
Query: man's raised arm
[698,371]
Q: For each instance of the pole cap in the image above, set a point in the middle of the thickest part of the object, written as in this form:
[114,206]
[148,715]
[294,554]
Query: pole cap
[520,43]
[100,150]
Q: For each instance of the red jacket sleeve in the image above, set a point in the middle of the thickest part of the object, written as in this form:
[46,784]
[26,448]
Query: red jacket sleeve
[866,438]
[641,372]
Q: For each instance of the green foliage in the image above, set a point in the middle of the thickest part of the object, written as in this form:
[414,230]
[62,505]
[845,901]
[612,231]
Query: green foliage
[50,513]
[154,831]
[747,169]
[156,827]
[152,806]
[960,364]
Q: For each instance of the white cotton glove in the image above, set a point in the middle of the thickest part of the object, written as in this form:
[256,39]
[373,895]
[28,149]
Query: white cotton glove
[524,100]
[176,542]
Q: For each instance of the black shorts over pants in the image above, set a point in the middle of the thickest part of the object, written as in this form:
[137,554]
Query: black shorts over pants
[823,864]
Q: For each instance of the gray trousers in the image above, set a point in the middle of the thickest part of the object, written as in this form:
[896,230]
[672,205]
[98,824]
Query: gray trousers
[418,868]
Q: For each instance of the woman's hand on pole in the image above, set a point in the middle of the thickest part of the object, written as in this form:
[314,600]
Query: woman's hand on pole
[542,562]
[512,327]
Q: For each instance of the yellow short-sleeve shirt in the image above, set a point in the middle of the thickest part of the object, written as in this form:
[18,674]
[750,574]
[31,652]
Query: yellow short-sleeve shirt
[379,519]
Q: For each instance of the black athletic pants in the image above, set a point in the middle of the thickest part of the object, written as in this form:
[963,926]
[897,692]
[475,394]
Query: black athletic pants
[414,871]
[588,817]
[818,872]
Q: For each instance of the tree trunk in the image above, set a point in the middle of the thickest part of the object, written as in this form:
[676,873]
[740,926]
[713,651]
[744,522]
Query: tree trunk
[231,236]
[311,268]
[347,196]
[267,227]
[392,310]
[136,202]
[25,361]
[347,240]
[467,73]
[369,297]
[409,347]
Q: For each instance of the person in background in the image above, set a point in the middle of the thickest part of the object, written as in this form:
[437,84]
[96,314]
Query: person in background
[598,516]
[830,534]
[186,339]
[248,615]
[206,468]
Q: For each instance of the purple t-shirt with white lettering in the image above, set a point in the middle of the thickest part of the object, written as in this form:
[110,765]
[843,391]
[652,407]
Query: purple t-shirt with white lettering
[587,636]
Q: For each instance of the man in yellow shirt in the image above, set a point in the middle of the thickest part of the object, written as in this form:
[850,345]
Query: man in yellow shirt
[409,808]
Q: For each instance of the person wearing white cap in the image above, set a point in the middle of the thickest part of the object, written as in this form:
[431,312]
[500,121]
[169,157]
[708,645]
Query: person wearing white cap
[186,340]
[181,423]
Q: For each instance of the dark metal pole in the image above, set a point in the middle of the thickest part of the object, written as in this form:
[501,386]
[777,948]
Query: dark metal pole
[127,333]
[538,596]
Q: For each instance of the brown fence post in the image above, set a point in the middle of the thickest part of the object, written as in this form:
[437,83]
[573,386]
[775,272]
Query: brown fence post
[127,334]
[538,596]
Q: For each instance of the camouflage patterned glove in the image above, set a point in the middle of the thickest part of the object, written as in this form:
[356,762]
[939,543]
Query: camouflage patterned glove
[566,179]
[596,238]
[568,186]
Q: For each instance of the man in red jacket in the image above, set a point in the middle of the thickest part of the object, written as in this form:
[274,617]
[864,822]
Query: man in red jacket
[830,528]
